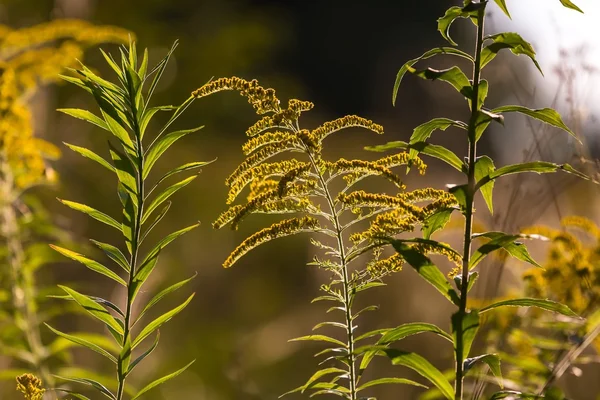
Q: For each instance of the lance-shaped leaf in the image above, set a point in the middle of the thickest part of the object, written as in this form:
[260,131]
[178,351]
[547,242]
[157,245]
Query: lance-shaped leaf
[571,5]
[114,254]
[97,215]
[90,382]
[161,381]
[502,5]
[454,76]
[424,131]
[158,322]
[428,54]
[470,325]
[483,119]
[70,393]
[546,115]
[162,294]
[427,270]
[386,381]
[120,132]
[85,343]
[149,113]
[91,264]
[161,145]
[393,335]
[508,40]
[538,167]
[125,172]
[145,354]
[94,309]
[485,166]
[451,15]
[423,368]
[157,219]
[501,240]
[491,360]
[432,150]
[319,338]
[164,195]
[436,221]
[547,305]
[86,116]
[91,155]
[316,376]
[514,394]
[182,168]
[158,71]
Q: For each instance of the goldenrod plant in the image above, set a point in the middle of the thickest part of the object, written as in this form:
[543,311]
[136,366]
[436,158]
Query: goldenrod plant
[287,174]
[125,112]
[31,387]
[537,349]
[480,174]
[31,58]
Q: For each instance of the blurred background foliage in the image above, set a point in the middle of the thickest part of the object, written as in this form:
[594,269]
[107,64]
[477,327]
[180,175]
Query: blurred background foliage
[341,55]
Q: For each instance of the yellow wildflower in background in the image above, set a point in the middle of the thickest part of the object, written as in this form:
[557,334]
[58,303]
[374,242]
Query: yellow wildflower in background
[31,387]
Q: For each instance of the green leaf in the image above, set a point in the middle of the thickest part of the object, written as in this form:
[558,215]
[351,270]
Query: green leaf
[428,54]
[145,354]
[161,145]
[182,168]
[125,172]
[385,381]
[86,116]
[70,393]
[470,325]
[158,322]
[119,132]
[427,270]
[148,114]
[539,167]
[436,221]
[423,368]
[460,193]
[546,115]
[432,150]
[319,374]
[502,5]
[547,305]
[109,59]
[485,166]
[319,338]
[161,381]
[91,264]
[451,15]
[90,382]
[91,155]
[162,294]
[424,131]
[569,4]
[454,76]
[500,240]
[164,195]
[158,218]
[508,40]
[83,342]
[158,71]
[514,394]
[114,254]
[483,120]
[94,309]
[97,215]
[492,361]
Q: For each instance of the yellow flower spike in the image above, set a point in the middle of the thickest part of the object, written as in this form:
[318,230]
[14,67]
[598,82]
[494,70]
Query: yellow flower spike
[299,106]
[289,177]
[31,387]
[396,160]
[348,121]
[386,225]
[359,168]
[263,100]
[453,256]
[380,268]
[258,142]
[259,172]
[582,223]
[360,198]
[286,227]
[259,186]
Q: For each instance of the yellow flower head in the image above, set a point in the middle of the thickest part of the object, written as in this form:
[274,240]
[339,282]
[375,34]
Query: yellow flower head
[31,387]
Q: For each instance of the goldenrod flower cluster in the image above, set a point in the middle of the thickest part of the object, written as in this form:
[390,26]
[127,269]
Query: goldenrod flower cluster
[378,269]
[571,275]
[348,121]
[30,57]
[263,100]
[31,387]
[361,168]
[284,228]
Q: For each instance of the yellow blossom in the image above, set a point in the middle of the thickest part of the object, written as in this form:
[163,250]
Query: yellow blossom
[31,387]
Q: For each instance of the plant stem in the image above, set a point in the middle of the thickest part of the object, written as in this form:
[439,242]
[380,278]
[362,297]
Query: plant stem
[21,279]
[139,210]
[470,194]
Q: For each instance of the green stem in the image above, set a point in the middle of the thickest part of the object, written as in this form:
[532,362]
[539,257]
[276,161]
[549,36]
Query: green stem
[475,108]
[22,280]
[135,242]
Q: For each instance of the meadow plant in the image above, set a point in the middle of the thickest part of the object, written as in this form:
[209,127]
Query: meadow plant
[346,221]
[31,58]
[125,112]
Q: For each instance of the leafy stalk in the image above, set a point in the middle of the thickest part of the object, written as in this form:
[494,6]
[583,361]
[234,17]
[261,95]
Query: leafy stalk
[125,114]
[468,212]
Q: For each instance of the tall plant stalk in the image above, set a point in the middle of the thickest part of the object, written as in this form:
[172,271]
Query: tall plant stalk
[470,200]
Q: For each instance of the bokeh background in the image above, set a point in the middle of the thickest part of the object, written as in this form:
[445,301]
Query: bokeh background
[343,56]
